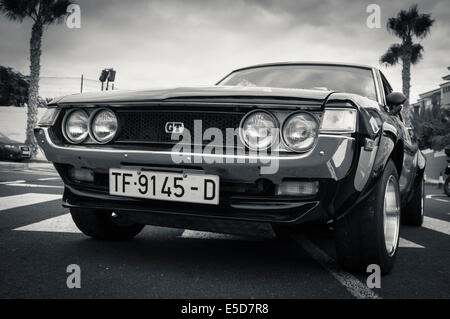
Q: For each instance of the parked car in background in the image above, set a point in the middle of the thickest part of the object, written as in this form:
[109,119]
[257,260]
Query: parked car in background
[345,157]
[13,150]
[447,172]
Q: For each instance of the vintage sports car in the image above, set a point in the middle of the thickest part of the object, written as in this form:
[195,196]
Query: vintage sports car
[267,148]
[13,150]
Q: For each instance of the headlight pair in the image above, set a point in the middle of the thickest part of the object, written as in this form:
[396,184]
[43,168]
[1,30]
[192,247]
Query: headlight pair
[259,130]
[101,125]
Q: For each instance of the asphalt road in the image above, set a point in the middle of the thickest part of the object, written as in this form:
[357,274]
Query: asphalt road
[38,240]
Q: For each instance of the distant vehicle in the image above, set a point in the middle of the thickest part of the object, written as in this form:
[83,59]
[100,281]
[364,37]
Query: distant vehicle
[13,150]
[345,158]
[447,172]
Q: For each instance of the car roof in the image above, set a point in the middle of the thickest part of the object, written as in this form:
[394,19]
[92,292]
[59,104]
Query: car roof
[305,63]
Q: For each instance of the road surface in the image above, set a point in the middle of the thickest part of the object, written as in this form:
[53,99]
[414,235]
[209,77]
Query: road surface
[38,240]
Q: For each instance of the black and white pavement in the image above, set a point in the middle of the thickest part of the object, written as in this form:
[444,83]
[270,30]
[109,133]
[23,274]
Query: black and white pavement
[38,240]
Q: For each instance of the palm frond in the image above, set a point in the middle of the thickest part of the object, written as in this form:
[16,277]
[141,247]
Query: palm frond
[397,27]
[416,53]
[392,55]
[54,11]
[423,24]
[44,11]
[410,23]
[17,10]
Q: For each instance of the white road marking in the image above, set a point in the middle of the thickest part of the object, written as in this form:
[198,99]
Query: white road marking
[48,178]
[28,172]
[404,243]
[33,185]
[434,196]
[12,182]
[59,224]
[14,201]
[439,198]
[438,225]
[208,235]
[358,289]
[39,171]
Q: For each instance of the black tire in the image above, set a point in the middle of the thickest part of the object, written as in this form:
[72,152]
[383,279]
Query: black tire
[360,236]
[104,225]
[412,214]
[447,186]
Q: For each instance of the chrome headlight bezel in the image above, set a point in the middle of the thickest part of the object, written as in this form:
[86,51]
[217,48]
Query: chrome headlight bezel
[242,135]
[316,130]
[64,126]
[92,119]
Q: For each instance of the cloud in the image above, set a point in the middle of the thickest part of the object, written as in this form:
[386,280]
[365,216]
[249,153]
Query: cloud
[170,43]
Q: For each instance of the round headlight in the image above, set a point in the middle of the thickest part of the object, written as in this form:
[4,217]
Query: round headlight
[259,130]
[300,131]
[104,126]
[76,126]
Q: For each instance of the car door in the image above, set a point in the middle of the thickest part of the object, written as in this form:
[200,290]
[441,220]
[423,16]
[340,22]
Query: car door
[409,168]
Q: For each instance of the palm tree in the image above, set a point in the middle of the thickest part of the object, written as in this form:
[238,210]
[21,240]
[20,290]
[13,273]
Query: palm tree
[43,13]
[407,25]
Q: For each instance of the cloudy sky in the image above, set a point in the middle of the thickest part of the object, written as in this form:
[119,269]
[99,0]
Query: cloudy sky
[192,42]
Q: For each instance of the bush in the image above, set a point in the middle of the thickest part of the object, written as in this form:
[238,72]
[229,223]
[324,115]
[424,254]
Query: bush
[13,87]
[433,128]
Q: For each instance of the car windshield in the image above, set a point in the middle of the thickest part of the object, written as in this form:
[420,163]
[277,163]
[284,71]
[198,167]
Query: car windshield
[317,77]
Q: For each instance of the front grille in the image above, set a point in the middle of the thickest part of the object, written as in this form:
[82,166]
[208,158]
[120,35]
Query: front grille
[150,126]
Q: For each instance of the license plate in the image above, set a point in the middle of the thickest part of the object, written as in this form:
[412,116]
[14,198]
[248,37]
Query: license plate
[25,152]
[191,188]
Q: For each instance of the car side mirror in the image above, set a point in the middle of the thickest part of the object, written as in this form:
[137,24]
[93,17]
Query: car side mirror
[395,102]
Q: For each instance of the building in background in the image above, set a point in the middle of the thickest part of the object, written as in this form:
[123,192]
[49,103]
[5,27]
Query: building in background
[435,99]
[445,91]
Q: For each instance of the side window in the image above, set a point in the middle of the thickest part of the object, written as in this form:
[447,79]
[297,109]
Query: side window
[386,86]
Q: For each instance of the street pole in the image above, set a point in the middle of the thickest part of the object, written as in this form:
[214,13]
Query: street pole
[81,90]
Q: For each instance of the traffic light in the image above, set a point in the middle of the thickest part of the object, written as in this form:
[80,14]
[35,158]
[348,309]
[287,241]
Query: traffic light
[112,75]
[104,75]
[108,75]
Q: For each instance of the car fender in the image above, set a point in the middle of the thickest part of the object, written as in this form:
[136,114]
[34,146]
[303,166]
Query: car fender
[387,142]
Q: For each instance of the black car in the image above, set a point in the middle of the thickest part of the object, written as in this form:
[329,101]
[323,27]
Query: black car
[13,150]
[267,148]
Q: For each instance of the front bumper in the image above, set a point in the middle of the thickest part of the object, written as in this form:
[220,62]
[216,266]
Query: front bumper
[331,163]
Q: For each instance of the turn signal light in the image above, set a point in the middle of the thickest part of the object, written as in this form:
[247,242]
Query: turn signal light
[82,174]
[298,188]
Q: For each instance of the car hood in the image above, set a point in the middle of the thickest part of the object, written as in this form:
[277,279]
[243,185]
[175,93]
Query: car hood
[253,94]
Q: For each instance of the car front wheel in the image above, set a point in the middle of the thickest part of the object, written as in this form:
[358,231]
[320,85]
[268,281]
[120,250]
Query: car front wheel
[105,225]
[369,234]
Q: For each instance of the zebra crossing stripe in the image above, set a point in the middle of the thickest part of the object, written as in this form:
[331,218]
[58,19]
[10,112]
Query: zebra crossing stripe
[14,201]
[404,243]
[58,224]
[438,225]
